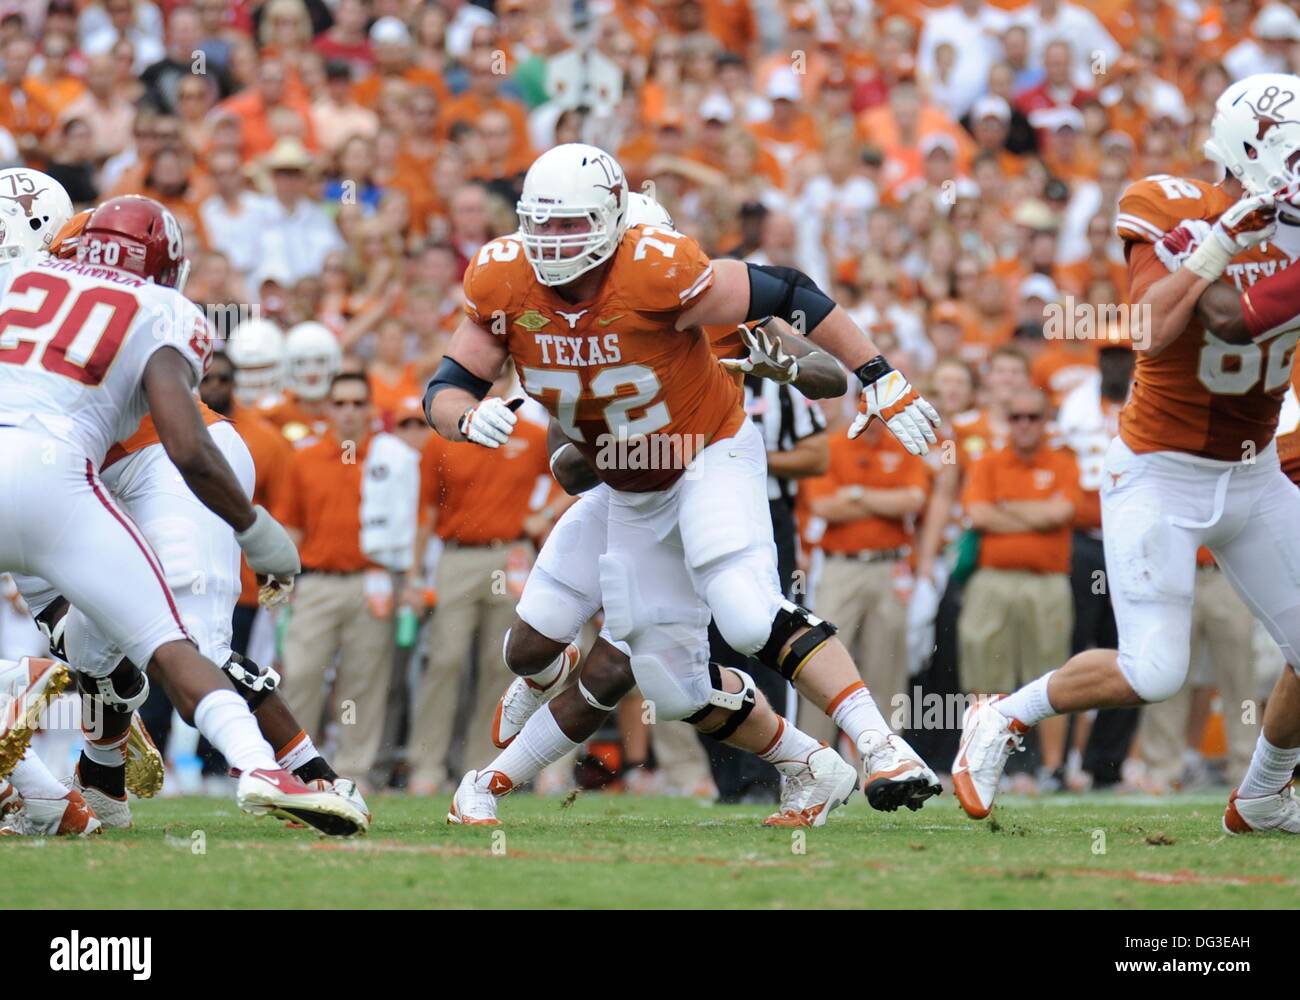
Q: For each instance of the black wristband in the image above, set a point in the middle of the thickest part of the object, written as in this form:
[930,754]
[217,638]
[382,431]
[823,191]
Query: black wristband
[874,370]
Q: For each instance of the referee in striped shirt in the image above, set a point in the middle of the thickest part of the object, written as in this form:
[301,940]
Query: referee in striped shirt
[797,448]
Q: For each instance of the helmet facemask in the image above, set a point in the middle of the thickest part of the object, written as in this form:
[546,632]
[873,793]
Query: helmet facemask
[560,258]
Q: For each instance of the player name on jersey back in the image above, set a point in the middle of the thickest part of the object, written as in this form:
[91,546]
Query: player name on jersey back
[74,343]
[1202,395]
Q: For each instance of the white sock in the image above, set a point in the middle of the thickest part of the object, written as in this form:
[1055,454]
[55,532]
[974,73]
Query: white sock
[855,711]
[297,752]
[223,717]
[34,780]
[1270,770]
[539,744]
[1029,705]
[790,743]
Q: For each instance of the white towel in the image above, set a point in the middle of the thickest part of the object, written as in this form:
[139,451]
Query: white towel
[390,501]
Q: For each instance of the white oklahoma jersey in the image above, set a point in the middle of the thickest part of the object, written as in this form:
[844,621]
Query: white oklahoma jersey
[74,343]
[1196,462]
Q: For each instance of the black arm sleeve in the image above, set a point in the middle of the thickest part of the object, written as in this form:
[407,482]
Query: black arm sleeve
[451,373]
[789,294]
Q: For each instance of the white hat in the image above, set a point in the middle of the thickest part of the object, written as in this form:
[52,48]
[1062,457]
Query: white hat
[1039,286]
[389,30]
[991,106]
[1056,118]
[1276,21]
[716,108]
[784,86]
[938,140]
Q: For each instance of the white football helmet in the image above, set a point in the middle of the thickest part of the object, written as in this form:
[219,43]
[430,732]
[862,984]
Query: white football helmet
[256,349]
[33,208]
[314,357]
[642,210]
[1255,133]
[572,181]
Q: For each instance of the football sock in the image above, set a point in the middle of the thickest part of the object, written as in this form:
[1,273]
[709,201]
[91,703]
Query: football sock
[110,752]
[223,717]
[855,711]
[109,780]
[1270,769]
[540,743]
[34,780]
[317,767]
[789,744]
[297,752]
[1029,705]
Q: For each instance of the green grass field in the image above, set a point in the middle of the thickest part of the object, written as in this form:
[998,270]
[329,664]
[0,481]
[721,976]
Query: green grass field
[621,851]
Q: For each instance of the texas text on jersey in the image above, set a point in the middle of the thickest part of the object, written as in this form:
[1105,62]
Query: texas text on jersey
[1202,395]
[614,369]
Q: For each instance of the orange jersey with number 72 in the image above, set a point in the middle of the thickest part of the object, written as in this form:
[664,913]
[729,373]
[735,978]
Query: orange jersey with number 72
[637,396]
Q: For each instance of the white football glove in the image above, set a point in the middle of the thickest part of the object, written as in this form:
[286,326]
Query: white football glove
[1181,242]
[767,358]
[268,548]
[490,422]
[905,412]
[1250,221]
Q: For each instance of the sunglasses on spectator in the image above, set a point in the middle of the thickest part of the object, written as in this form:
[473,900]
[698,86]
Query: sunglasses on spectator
[357,404]
[222,377]
[412,423]
[1030,417]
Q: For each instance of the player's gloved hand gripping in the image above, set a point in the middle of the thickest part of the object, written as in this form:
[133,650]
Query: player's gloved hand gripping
[887,394]
[490,422]
[270,553]
[1251,220]
[767,359]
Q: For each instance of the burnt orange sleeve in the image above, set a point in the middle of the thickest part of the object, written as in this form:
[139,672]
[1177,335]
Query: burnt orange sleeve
[279,483]
[429,478]
[1151,207]
[672,270]
[496,278]
[289,512]
[1144,270]
[979,483]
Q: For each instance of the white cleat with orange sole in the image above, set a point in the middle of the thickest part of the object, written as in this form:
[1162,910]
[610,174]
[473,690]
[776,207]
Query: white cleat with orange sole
[1279,811]
[33,684]
[475,801]
[988,739]
[811,790]
[894,774]
[109,810]
[69,816]
[524,697]
[279,793]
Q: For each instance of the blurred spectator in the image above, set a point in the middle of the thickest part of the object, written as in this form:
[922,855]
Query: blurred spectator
[23,112]
[869,500]
[108,113]
[231,213]
[72,162]
[336,116]
[342,605]
[184,58]
[1017,614]
[56,85]
[136,22]
[486,507]
[293,230]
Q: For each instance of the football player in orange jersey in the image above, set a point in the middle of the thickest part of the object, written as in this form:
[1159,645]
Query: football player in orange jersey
[1195,462]
[201,562]
[688,532]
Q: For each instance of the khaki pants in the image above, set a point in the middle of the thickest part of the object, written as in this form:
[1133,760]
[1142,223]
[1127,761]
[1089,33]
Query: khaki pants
[472,600]
[329,616]
[1222,629]
[859,599]
[1014,627]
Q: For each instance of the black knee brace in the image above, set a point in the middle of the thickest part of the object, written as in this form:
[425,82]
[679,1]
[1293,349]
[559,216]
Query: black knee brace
[124,690]
[254,683]
[790,618]
[741,703]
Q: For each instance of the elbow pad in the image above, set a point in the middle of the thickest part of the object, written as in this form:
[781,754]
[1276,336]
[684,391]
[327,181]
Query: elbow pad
[452,374]
[788,294]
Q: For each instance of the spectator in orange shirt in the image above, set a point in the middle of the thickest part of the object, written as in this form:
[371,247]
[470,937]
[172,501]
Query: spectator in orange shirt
[23,112]
[255,107]
[55,84]
[791,132]
[478,502]
[869,499]
[1018,614]
[343,603]
[394,55]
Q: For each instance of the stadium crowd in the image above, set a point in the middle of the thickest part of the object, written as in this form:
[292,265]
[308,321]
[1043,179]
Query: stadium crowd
[948,172]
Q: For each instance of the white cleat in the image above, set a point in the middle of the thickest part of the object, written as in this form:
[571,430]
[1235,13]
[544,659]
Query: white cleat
[30,691]
[475,801]
[988,739]
[278,793]
[894,774]
[1279,811]
[811,790]
[523,697]
[69,816]
[111,812]
[347,789]
[145,769]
